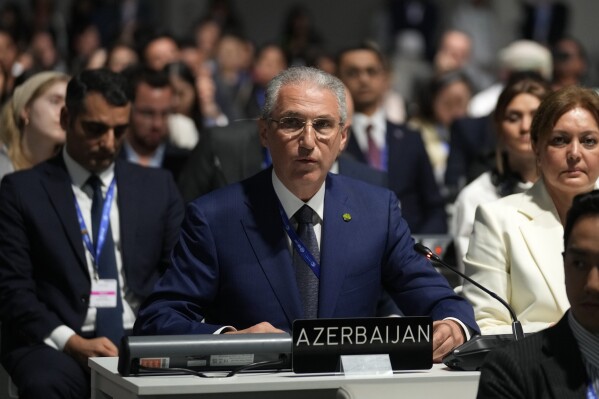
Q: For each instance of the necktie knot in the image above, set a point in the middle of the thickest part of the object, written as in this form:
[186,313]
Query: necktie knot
[95,183]
[304,215]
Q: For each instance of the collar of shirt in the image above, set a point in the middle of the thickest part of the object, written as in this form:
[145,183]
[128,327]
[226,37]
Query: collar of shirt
[378,132]
[79,174]
[155,160]
[588,343]
[292,204]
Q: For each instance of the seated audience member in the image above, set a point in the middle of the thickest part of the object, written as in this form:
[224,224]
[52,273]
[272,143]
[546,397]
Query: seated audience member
[383,145]
[472,145]
[270,61]
[30,130]
[120,57]
[160,50]
[263,285]
[515,167]
[516,242]
[570,63]
[561,361]
[147,142]
[518,56]
[60,244]
[186,120]
[232,79]
[444,100]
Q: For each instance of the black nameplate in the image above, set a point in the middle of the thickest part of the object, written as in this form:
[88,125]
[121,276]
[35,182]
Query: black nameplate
[318,343]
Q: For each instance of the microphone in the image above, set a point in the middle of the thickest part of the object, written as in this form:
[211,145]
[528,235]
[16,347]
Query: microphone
[469,356]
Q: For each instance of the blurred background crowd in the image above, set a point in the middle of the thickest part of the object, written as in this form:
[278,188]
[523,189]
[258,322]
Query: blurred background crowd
[445,64]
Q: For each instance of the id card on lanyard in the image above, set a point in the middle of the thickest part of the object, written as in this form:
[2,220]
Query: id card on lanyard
[103,291]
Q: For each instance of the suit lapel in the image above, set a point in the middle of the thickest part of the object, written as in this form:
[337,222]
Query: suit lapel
[264,229]
[543,235]
[128,198]
[333,240]
[57,184]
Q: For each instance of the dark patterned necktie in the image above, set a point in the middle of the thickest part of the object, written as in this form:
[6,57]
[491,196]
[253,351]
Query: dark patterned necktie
[307,281]
[109,321]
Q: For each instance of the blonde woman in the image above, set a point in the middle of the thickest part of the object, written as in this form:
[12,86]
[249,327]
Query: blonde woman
[30,130]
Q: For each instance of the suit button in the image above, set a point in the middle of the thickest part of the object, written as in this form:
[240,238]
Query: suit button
[84,299]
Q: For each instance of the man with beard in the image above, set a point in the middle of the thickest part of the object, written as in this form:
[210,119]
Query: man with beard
[147,143]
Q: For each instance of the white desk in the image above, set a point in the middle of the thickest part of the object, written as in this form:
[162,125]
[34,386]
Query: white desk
[439,382]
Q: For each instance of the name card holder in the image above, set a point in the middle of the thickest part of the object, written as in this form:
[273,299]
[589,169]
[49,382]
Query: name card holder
[359,365]
[362,345]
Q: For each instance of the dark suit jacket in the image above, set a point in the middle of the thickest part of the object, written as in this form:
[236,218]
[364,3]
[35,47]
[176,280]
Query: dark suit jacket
[224,155]
[547,364]
[174,159]
[411,177]
[558,22]
[472,147]
[44,280]
[348,166]
[233,266]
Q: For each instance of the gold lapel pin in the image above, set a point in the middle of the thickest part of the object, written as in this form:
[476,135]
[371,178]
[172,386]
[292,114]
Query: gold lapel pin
[346,217]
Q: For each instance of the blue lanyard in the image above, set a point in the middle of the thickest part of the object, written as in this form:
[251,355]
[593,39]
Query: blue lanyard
[104,225]
[591,391]
[298,244]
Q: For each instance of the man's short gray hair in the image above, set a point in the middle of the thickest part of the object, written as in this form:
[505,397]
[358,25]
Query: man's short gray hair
[304,75]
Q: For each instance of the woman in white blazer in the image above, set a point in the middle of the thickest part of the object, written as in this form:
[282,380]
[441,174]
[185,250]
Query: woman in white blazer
[517,241]
[515,165]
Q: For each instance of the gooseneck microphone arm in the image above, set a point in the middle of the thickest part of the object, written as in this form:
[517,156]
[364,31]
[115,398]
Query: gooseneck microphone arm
[516,326]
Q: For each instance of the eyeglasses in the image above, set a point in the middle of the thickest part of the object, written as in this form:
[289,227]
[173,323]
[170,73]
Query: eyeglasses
[292,125]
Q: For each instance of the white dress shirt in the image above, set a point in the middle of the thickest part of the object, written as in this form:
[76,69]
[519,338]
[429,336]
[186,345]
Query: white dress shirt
[291,204]
[378,132]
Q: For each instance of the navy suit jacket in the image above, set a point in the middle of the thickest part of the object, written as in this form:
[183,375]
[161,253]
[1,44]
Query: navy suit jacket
[410,176]
[44,280]
[472,149]
[233,266]
[547,364]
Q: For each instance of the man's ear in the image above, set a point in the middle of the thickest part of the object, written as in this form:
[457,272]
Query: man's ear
[263,131]
[344,137]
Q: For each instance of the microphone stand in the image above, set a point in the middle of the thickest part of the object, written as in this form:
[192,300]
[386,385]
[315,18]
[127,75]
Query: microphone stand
[516,326]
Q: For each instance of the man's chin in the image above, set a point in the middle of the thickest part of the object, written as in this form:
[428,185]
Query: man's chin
[97,166]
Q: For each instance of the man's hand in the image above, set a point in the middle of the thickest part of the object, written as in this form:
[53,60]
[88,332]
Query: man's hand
[81,348]
[264,327]
[447,334]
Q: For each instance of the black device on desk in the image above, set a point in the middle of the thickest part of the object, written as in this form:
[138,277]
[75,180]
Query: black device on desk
[470,355]
[168,354]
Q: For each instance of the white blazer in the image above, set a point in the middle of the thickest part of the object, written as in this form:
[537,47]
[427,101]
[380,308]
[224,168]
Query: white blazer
[516,251]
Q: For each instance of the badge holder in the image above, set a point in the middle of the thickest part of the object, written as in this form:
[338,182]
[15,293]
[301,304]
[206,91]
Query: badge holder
[359,365]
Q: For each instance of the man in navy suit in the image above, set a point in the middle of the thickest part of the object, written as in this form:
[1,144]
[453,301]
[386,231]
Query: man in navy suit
[236,268]
[386,146]
[53,290]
